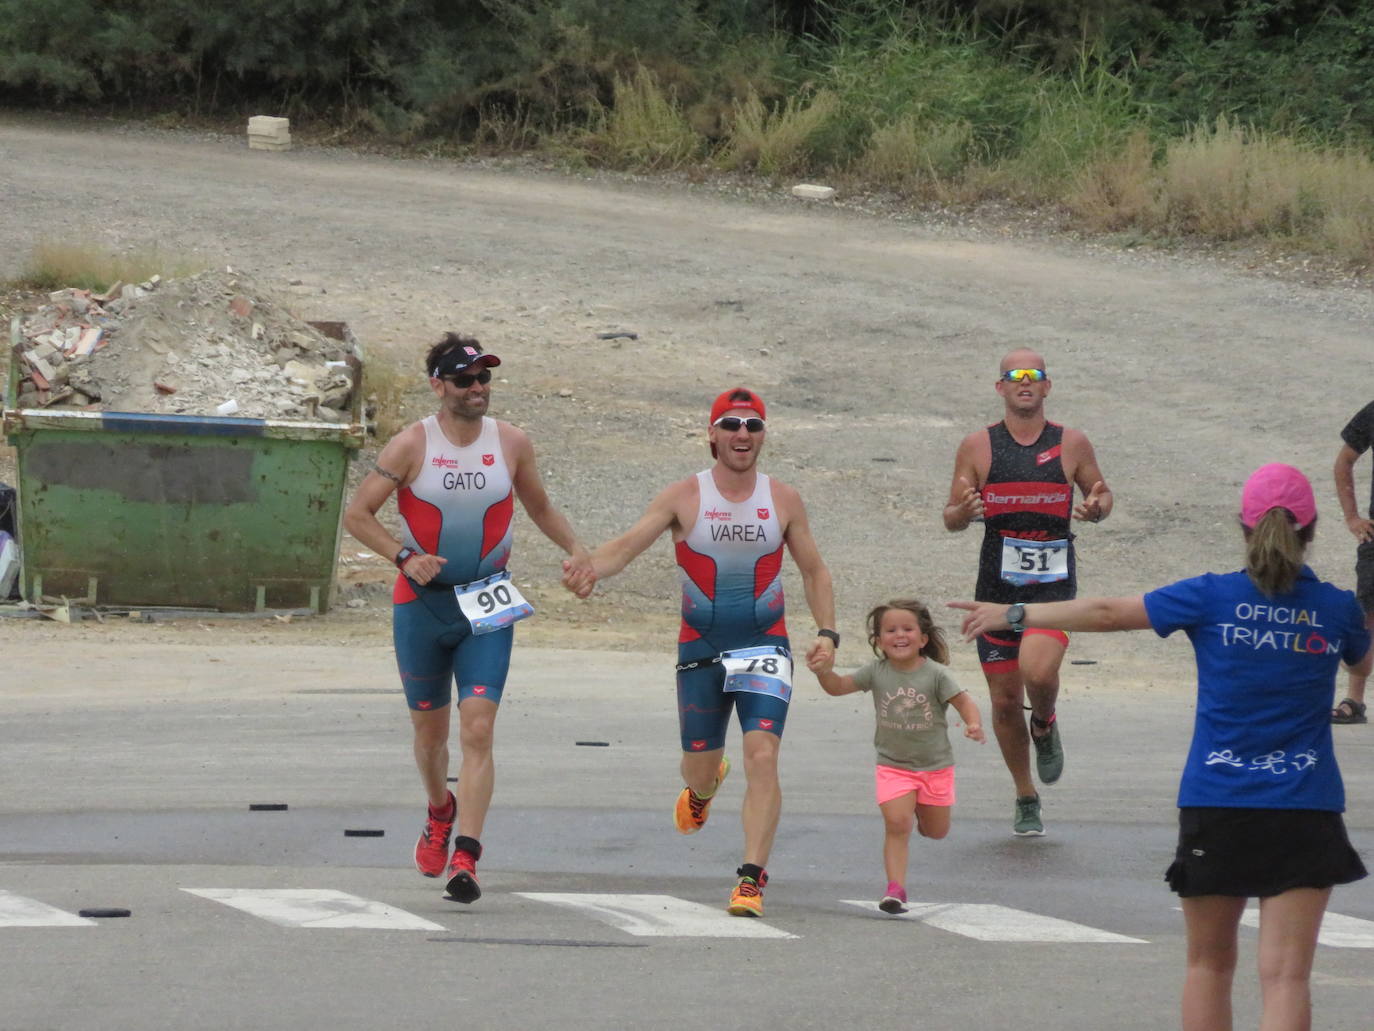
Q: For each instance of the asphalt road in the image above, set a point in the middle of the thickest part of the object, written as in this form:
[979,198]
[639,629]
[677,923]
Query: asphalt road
[133,792]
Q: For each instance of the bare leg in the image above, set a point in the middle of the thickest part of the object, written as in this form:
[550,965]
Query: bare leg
[431,752]
[899,817]
[699,770]
[477,779]
[933,820]
[1212,922]
[762,795]
[1288,940]
[1041,657]
[1007,695]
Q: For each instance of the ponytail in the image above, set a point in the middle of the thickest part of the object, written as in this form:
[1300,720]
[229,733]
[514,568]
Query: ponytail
[1274,550]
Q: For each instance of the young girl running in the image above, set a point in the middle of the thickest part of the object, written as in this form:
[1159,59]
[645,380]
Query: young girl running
[911,689]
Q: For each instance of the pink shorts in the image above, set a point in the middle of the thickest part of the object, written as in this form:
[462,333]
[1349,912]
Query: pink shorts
[932,787]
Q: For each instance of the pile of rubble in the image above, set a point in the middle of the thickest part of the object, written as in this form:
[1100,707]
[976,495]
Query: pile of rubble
[209,344]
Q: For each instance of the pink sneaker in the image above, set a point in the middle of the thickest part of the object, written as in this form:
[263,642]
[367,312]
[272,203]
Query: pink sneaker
[431,851]
[894,901]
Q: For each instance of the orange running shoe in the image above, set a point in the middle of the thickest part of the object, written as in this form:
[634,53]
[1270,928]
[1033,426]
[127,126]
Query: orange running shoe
[431,851]
[747,898]
[462,871]
[689,815]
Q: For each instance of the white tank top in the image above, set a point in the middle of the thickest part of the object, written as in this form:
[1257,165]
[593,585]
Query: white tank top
[461,504]
[731,565]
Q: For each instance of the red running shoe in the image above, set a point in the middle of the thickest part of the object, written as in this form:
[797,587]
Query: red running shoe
[431,851]
[462,877]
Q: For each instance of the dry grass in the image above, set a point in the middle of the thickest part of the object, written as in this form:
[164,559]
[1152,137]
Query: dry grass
[386,383]
[645,126]
[1228,182]
[916,157]
[54,266]
[778,141]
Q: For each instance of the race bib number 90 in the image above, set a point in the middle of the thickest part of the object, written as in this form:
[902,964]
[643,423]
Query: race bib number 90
[763,670]
[492,603]
[1034,562]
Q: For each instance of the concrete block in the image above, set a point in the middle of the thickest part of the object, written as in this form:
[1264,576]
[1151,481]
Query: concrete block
[266,125]
[809,191]
[263,143]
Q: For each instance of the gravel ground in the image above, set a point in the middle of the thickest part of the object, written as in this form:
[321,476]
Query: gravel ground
[873,332]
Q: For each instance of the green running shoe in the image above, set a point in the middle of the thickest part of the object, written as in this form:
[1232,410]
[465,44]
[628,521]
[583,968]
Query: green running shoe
[1049,752]
[1027,823]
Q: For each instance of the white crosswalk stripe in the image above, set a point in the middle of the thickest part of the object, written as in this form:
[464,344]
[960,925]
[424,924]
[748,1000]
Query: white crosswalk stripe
[991,923]
[661,916]
[316,907]
[18,911]
[1338,932]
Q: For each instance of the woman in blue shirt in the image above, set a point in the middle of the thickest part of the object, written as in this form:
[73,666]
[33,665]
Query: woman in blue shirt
[1261,796]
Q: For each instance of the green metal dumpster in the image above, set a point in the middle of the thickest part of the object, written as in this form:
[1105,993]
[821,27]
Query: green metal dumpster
[129,509]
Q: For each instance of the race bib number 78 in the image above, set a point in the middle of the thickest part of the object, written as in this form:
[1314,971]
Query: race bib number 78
[763,670]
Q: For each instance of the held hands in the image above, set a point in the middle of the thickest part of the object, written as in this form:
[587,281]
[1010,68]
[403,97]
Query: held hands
[1363,529]
[1090,509]
[579,574]
[820,660]
[982,617]
[422,567]
[970,503]
[820,657]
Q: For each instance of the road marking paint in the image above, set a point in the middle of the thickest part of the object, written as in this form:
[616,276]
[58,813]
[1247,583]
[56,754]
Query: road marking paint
[990,923]
[17,911]
[1338,932]
[661,916]
[316,907]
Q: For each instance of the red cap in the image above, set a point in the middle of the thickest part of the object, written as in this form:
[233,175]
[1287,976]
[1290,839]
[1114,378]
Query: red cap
[724,403]
[1277,486]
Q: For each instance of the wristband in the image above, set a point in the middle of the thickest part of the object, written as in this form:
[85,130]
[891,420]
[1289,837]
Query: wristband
[834,637]
[403,556]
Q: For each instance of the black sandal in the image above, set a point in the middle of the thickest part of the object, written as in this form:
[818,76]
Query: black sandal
[1349,711]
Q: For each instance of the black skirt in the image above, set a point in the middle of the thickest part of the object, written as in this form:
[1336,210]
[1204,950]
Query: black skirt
[1255,853]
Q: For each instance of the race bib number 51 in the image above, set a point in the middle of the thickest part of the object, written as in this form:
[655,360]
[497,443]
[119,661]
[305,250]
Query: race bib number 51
[492,603]
[1034,562]
[763,670]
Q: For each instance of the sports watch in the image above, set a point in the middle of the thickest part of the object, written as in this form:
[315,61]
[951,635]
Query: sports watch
[403,556]
[834,637]
[1016,617]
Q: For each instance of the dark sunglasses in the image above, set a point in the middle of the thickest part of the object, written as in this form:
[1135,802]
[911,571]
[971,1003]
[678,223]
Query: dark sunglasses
[463,380]
[732,423]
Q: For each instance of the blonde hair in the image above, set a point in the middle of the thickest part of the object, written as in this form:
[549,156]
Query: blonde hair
[1274,551]
[935,647]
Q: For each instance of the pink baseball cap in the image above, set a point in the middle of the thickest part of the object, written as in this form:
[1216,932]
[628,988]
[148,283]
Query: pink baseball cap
[1277,486]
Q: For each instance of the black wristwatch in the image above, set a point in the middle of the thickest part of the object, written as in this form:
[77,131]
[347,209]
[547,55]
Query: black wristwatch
[1016,617]
[403,556]
[834,637]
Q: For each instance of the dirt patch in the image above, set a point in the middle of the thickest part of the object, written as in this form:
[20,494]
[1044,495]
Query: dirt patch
[874,336]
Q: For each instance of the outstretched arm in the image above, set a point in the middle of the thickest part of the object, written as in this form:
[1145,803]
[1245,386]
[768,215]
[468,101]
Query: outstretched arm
[661,515]
[529,488]
[820,589]
[1080,614]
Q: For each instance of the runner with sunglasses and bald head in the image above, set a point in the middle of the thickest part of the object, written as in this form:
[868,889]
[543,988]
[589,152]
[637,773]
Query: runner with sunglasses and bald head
[1017,477]
[729,525]
[456,475]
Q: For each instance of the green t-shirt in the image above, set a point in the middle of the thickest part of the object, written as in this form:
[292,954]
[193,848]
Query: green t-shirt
[912,733]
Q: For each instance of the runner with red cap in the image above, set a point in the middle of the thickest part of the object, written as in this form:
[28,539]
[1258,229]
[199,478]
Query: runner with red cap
[729,524]
[1261,796]
[456,475]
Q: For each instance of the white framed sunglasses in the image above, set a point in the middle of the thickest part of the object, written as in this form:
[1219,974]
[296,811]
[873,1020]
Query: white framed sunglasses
[732,423]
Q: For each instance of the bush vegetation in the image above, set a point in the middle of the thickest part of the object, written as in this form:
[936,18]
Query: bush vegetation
[1230,119]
